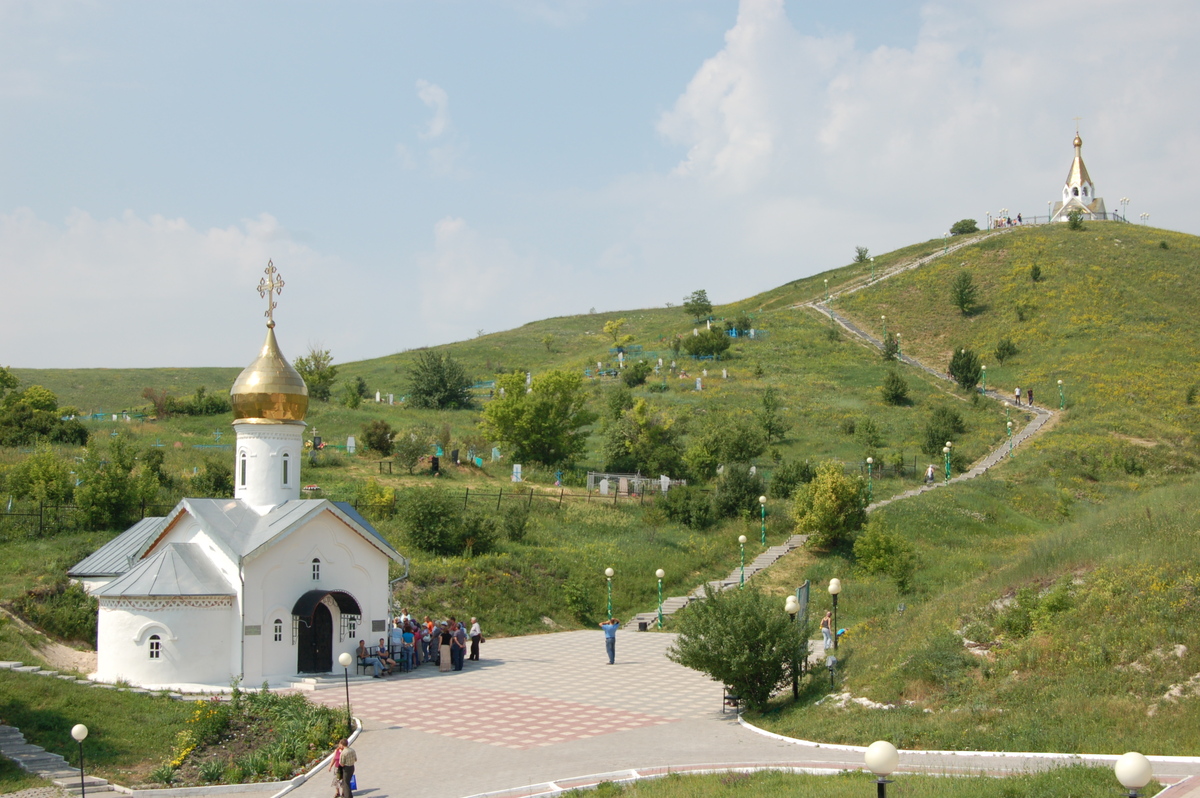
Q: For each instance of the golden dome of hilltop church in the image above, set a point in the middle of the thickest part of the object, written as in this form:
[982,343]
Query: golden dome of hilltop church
[1079,193]
[269,390]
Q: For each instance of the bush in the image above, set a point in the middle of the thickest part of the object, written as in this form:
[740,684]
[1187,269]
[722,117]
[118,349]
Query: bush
[439,382]
[965,368]
[740,323]
[869,435]
[944,424]
[515,522]
[861,255]
[788,476]
[891,347]
[476,534]
[636,374]
[580,599]
[377,437]
[1075,220]
[964,226]
[743,639]
[706,343]
[1004,350]
[411,445]
[687,505]
[1035,273]
[214,480]
[894,389]
[738,491]
[62,609]
[832,507]
[963,293]
[109,494]
[201,404]
[430,518]
[376,501]
[880,551]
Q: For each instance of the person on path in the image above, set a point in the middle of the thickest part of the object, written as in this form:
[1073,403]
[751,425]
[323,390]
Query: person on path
[1017,397]
[396,635]
[929,475]
[827,630]
[367,658]
[458,646]
[347,760]
[610,638]
[1029,394]
[335,767]
[444,637]
[476,638]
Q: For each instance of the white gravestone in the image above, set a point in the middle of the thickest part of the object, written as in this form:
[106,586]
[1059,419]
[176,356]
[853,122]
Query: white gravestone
[699,387]
[377,397]
[623,485]
[664,482]
[604,487]
[350,445]
[724,374]
[753,470]
[516,477]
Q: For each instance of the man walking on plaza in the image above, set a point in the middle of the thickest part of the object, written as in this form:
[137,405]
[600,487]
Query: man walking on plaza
[610,638]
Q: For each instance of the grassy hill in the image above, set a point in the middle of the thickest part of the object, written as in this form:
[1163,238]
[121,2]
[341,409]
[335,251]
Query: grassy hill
[1073,567]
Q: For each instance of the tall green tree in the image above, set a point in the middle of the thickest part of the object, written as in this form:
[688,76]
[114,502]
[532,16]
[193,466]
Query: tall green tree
[439,382]
[697,305]
[109,495]
[831,508]
[965,368]
[318,372]
[43,477]
[963,293]
[743,639]
[644,440]
[770,417]
[411,445]
[545,424]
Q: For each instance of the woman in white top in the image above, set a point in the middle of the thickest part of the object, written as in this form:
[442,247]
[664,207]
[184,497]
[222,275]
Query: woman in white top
[476,638]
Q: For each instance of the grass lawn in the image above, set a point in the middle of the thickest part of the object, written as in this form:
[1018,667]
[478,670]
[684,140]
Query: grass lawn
[13,779]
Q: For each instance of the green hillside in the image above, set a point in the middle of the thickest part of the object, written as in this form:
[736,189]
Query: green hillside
[1073,566]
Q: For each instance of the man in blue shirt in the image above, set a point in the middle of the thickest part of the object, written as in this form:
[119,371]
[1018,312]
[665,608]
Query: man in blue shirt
[610,638]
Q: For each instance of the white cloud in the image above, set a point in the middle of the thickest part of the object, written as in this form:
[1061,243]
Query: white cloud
[435,97]
[444,150]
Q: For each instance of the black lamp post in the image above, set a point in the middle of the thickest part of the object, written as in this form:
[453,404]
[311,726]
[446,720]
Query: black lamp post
[792,608]
[346,659]
[80,732]
[835,587]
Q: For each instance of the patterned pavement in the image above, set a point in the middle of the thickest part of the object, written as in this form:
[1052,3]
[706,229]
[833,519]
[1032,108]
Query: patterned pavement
[539,691]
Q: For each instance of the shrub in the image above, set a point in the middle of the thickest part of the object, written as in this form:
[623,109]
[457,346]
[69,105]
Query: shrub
[706,343]
[891,347]
[944,424]
[832,507]
[848,426]
[515,522]
[636,374]
[737,491]
[742,639]
[869,435]
[965,368]
[1075,220]
[580,599]
[894,389]
[377,437]
[740,323]
[318,372]
[411,445]
[880,551]
[42,476]
[963,293]
[687,505]
[350,397]
[430,518]
[376,501]
[439,382]
[964,226]
[476,534]
[1189,396]
[213,481]
[788,476]
[1035,273]
[109,495]
[62,609]
[861,255]
[1163,245]
[1005,349]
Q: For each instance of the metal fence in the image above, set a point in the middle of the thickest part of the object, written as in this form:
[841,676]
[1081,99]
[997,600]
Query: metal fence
[24,520]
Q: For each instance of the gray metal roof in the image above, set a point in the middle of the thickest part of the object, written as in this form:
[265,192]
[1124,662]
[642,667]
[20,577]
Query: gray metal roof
[179,569]
[118,555]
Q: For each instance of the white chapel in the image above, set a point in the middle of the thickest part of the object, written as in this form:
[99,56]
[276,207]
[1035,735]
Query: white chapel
[1078,193]
[263,586]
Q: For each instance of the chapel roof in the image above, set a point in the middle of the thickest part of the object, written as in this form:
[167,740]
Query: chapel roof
[1078,175]
[178,569]
[117,556]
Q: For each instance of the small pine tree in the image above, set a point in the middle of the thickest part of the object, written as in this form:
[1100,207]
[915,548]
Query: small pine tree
[861,255]
[1035,273]
[1075,220]
[964,368]
[894,389]
[377,436]
[963,293]
[891,347]
[1004,350]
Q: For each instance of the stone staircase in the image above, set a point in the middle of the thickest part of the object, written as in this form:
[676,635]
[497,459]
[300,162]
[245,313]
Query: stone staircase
[40,762]
[675,603]
[323,681]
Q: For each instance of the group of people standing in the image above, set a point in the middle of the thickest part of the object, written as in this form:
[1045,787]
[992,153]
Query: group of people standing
[411,643]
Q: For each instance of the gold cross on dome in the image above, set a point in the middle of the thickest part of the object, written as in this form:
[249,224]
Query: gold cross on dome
[1077,124]
[271,284]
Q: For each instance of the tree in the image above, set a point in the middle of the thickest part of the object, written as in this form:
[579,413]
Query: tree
[43,477]
[548,342]
[377,437]
[706,343]
[318,372]
[738,491]
[1075,220]
[350,396]
[613,330]
[891,347]
[965,368]
[544,425]
[1005,349]
[643,440]
[861,255]
[411,445]
[724,438]
[944,424]
[789,475]
[894,389]
[774,426]
[963,293]
[743,639]
[697,305]
[636,374]
[8,381]
[964,226]
[32,415]
[160,399]
[831,508]
[439,382]
[882,551]
[215,480]
[109,494]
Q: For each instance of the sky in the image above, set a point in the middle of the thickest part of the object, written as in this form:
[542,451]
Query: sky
[419,172]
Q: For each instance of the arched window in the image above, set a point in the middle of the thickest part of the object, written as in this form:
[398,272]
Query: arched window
[242,470]
[1075,191]
[155,647]
[1085,191]
[286,463]
[316,569]
[278,630]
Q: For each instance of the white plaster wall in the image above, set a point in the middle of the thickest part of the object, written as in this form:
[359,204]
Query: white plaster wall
[195,645]
[279,576]
[264,446]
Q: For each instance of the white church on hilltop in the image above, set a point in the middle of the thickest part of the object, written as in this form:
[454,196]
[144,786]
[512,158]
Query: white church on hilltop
[1079,193]
[263,586]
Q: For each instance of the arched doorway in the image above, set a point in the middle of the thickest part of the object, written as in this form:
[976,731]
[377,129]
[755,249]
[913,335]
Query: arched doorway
[314,649]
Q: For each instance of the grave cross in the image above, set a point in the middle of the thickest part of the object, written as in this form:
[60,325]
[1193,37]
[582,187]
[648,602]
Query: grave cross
[271,284]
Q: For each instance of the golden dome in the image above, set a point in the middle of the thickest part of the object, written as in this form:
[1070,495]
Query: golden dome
[269,389]
[1078,141]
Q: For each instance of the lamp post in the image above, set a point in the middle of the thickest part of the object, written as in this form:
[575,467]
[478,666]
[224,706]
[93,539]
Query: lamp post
[872,270]
[870,480]
[946,454]
[792,608]
[826,290]
[1049,210]
[762,503]
[882,758]
[660,573]
[742,543]
[1009,439]
[884,320]
[1007,410]
[1133,771]
[899,351]
[1062,399]
[80,732]
[346,659]
[989,220]
[1004,215]
[945,242]
[608,575]
[835,587]
[984,370]
[1144,217]
[1125,209]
